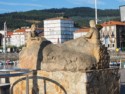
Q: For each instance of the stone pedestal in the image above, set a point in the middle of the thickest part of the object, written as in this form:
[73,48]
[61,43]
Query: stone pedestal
[66,82]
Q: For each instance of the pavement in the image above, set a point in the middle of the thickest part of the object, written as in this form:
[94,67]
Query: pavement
[122,81]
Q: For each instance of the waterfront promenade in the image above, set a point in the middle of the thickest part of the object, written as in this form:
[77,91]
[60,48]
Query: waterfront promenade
[9,56]
[117,56]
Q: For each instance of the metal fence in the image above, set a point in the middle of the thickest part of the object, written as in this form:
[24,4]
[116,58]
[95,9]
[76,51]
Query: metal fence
[13,72]
[36,91]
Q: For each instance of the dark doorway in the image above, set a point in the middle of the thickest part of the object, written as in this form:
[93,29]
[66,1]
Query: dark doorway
[1,38]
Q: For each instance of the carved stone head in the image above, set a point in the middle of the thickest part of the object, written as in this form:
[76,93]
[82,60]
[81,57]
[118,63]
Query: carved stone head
[33,27]
[92,23]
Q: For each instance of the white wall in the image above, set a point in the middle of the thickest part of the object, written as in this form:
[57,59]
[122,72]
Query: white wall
[122,13]
[79,34]
[18,39]
[58,30]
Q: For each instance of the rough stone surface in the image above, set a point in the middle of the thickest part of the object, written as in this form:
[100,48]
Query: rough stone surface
[75,55]
[60,57]
[104,81]
[31,56]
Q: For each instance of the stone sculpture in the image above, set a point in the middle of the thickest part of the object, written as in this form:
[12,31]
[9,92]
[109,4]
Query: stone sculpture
[31,34]
[79,66]
[93,35]
[33,28]
[81,54]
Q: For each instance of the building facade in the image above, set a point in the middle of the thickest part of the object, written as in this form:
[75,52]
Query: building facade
[112,35]
[58,30]
[18,38]
[80,32]
[8,37]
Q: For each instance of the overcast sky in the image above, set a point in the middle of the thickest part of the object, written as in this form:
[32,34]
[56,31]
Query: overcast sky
[26,5]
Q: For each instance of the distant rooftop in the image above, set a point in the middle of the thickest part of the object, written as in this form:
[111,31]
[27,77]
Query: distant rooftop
[59,18]
[20,30]
[9,33]
[112,23]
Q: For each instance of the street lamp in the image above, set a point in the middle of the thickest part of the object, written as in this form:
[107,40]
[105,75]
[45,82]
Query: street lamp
[96,19]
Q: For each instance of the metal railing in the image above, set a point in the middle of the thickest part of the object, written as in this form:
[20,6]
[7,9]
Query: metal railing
[13,72]
[45,80]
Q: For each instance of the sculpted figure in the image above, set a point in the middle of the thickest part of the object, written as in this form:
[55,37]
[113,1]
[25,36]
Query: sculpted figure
[93,34]
[31,34]
[33,28]
[93,37]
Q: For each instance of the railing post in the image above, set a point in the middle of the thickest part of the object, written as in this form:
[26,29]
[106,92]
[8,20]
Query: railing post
[27,84]
[35,89]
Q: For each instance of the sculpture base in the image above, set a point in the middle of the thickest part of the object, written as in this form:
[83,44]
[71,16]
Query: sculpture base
[66,82]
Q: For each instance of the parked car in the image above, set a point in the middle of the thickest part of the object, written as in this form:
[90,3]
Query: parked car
[114,64]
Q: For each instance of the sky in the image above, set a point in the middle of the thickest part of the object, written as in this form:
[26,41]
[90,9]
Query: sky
[7,6]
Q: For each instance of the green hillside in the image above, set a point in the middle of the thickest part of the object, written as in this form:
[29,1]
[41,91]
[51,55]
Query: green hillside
[81,16]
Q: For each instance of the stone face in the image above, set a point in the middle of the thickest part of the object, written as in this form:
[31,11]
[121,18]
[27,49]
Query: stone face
[104,81]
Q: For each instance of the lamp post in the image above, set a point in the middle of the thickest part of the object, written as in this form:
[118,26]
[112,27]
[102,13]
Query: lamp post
[4,44]
[96,19]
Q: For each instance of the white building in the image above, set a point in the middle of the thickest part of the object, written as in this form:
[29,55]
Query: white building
[122,13]
[2,32]
[1,37]
[112,35]
[80,32]
[8,38]
[58,30]
[18,38]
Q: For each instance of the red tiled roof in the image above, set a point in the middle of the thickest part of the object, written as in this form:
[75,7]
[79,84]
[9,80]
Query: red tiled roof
[112,23]
[20,30]
[9,33]
[82,30]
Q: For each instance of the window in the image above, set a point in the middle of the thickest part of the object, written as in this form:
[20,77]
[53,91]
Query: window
[107,28]
[112,45]
[108,45]
[112,27]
